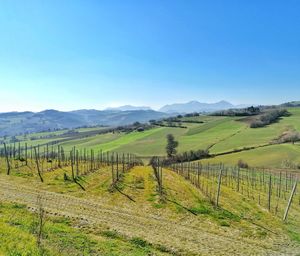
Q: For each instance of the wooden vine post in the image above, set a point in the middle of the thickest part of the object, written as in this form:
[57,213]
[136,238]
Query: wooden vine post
[77,163]
[26,160]
[238,180]
[117,172]
[112,169]
[198,175]
[123,163]
[270,193]
[72,164]
[7,161]
[290,200]
[37,165]
[219,186]
[161,178]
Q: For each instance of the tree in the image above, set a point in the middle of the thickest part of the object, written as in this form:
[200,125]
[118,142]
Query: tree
[136,124]
[289,136]
[172,144]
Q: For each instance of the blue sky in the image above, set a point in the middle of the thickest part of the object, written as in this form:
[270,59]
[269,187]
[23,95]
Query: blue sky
[93,54]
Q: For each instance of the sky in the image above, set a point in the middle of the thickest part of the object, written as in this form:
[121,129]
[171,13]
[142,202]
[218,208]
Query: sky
[72,54]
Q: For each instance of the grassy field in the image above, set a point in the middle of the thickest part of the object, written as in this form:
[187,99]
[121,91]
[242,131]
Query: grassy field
[19,228]
[134,219]
[260,136]
[218,134]
[270,156]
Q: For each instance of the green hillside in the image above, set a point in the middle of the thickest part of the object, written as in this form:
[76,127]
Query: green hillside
[216,133]
[133,219]
[175,212]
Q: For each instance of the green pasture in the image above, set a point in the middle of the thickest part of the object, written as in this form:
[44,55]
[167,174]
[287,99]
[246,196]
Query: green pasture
[218,134]
[270,156]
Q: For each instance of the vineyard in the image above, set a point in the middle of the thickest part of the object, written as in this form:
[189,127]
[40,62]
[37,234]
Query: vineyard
[149,128]
[80,162]
[273,191]
[115,192]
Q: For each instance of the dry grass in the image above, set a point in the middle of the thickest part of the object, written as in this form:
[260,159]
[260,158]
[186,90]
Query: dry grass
[182,220]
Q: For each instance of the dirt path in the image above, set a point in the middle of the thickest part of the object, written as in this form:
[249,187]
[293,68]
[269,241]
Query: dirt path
[180,237]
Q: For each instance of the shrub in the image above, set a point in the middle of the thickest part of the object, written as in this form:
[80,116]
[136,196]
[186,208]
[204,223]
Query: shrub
[139,242]
[224,223]
[139,182]
[269,117]
[111,234]
[289,136]
[191,155]
[242,164]
[250,111]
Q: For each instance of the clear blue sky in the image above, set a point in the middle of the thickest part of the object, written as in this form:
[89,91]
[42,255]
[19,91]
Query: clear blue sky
[92,54]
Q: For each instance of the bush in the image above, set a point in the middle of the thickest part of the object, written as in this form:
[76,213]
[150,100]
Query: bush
[289,136]
[192,114]
[138,242]
[269,117]
[111,234]
[183,157]
[242,164]
[140,129]
[257,124]
[250,111]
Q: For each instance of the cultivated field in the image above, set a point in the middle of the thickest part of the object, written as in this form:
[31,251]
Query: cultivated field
[77,193]
[183,221]
[217,134]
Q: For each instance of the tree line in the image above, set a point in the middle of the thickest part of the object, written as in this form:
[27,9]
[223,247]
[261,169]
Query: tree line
[269,117]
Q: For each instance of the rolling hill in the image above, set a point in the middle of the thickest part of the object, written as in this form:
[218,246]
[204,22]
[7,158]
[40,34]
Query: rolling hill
[226,138]
[15,123]
[90,212]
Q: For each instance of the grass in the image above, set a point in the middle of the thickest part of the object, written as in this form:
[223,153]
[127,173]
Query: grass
[182,202]
[18,228]
[207,126]
[92,142]
[151,144]
[219,134]
[270,156]
[205,208]
[259,136]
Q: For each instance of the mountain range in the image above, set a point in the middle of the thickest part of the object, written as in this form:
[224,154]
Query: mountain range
[181,108]
[129,108]
[196,106]
[13,123]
